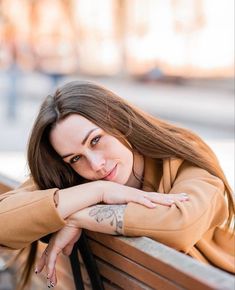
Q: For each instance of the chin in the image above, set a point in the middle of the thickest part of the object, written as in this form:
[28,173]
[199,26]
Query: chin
[127,181]
[121,180]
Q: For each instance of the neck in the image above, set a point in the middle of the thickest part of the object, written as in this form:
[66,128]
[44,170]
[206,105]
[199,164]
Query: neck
[138,169]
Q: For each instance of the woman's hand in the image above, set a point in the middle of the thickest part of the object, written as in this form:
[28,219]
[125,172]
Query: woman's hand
[114,193]
[61,241]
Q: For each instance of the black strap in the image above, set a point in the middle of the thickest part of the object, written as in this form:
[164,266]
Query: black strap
[90,264]
[76,268]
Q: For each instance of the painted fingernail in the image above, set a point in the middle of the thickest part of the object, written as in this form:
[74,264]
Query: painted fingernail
[52,284]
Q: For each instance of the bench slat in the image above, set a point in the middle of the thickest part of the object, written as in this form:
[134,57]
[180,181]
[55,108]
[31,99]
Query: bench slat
[179,268]
[120,279]
[108,286]
[112,277]
[130,267]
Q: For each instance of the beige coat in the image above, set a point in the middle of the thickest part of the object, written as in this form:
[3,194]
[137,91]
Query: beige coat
[193,227]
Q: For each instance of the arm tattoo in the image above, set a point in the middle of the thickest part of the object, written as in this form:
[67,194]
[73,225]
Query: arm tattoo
[114,213]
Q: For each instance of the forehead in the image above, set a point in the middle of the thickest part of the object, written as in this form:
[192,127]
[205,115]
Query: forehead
[74,121]
[70,132]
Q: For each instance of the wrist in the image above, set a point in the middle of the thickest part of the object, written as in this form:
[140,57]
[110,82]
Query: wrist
[99,191]
[81,196]
[74,220]
[104,189]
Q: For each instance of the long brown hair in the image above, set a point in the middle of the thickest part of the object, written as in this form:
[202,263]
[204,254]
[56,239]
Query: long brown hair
[150,136]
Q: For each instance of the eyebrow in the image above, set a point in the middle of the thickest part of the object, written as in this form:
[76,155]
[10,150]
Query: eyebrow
[83,142]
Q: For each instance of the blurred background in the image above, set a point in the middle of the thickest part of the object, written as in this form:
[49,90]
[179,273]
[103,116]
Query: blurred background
[173,58]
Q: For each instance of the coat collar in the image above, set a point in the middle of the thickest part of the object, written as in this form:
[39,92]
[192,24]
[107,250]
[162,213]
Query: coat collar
[152,174]
[160,174]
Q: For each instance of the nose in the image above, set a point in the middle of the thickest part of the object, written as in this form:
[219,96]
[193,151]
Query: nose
[96,161]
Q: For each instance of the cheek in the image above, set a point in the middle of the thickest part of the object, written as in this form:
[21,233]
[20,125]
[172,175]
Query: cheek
[82,169]
[126,156]
[129,160]
[117,150]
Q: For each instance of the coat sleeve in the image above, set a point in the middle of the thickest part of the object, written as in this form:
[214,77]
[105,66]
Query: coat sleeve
[26,215]
[183,224]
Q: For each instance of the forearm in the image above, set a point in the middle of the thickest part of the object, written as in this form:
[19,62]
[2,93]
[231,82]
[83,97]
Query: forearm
[100,218]
[76,198]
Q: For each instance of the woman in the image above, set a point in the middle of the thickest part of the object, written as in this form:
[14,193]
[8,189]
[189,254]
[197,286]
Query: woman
[98,163]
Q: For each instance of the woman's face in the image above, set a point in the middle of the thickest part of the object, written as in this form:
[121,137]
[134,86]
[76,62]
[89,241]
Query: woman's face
[90,151]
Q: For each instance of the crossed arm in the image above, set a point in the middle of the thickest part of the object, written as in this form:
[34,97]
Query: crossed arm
[100,218]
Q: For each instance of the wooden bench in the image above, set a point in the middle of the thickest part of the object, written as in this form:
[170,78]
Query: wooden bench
[137,263]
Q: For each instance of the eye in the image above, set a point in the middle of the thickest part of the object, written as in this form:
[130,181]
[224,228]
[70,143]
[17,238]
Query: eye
[74,159]
[95,140]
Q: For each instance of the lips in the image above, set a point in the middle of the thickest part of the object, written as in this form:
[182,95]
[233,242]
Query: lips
[111,174]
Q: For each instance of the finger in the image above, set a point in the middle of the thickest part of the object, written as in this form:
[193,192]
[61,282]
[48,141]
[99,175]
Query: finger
[68,249]
[145,201]
[48,283]
[53,280]
[51,261]
[41,263]
[159,198]
[166,199]
[179,196]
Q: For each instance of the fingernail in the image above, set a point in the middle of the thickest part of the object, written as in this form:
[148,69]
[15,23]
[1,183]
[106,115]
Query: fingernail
[35,271]
[185,197]
[52,284]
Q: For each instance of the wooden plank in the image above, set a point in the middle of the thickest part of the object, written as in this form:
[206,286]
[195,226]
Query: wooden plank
[130,267]
[112,276]
[115,278]
[179,268]
[118,278]
[108,286]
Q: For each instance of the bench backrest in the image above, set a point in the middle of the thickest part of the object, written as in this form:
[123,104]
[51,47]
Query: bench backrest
[140,263]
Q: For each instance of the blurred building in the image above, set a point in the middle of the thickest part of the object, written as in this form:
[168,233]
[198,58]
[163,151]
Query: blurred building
[188,38]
